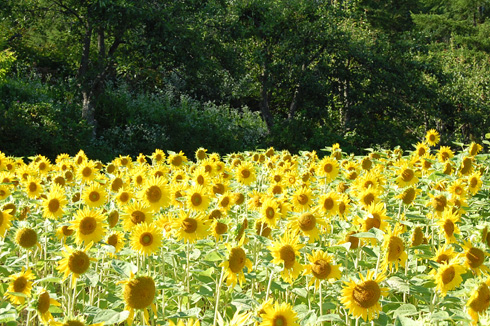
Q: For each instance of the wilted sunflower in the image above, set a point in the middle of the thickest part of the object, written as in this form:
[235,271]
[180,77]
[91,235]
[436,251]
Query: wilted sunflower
[321,268]
[395,249]
[43,303]
[197,199]
[134,214]
[20,283]
[75,262]
[245,173]
[139,293]
[475,259]
[95,195]
[5,221]
[466,167]
[54,203]
[362,298]
[155,193]
[237,260]
[189,227]
[285,251]
[432,137]
[89,226]
[146,238]
[479,301]
[307,224]
[448,277]
[278,314]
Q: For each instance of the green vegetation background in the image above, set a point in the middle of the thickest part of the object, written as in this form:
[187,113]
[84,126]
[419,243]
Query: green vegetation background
[123,77]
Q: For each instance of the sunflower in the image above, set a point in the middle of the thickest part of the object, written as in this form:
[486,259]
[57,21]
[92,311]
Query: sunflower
[269,211]
[190,228]
[245,173]
[43,164]
[328,203]
[475,259]
[33,187]
[123,196]
[63,232]
[474,183]
[291,180]
[225,201]
[256,200]
[448,277]
[343,206]
[321,268]
[5,221]
[26,237]
[439,203]
[376,217]
[328,169]
[407,175]
[4,191]
[43,303]
[445,254]
[458,188]
[262,228]
[158,157]
[136,213]
[139,293]
[80,157]
[146,238]
[444,153]
[466,167]
[474,149]
[116,184]
[177,160]
[421,149]
[218,229]
[73,322]
[278,314]
[302,199]
[87,171]
[89,225]
[155,193]
[124,161]
[448,225]
[432,137]
[237,260]
[95,195]
[139,176]
[368,196]
[116,240]
[307,224]
[54,203]
[197,199]
[408,195]
[75,262]
[285,251]
[20,283]
[479,301]
[395,249]
[418,237]
[362,298]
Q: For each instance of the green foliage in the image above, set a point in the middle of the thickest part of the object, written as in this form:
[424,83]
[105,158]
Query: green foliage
[7,59]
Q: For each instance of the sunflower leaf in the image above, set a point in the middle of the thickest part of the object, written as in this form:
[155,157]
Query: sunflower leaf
[109,316]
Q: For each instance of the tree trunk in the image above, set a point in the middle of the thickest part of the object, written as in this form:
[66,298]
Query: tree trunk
[88,110]
[264,93]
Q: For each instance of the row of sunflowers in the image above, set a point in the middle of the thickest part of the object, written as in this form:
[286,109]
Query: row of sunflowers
[253,238]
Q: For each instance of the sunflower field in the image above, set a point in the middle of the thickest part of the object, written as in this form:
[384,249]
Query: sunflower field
[251,238]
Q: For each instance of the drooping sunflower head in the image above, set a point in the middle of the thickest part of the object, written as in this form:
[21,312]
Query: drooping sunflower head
[479,301]
[474,149]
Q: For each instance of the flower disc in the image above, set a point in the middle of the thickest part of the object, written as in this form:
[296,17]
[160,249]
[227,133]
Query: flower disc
[78,262]
[366,294]
[140,292]
[26,238]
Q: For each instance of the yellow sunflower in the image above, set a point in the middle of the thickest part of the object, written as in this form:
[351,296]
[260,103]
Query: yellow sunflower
[432,137]
[302,199]
[155,193]
[448,226]
[444,153]
[4,191]
[395,249]
[146,238]
[87,171]
[54,203]
[321,268]
[474,259]
[225,201]
[177,160]
[448,277]
[89,226]
[43,303]
[218,229]
[376,217]
[75,262]
[278,314]
[245,173]
[26,238]
[237,260]
[307,224]
[408,195]
[95,195]
[33,187]
[20,283]
[474,149]
[115,239]
[466,167]
[5,221]
[327,169]
[329,203]
[158,157]
[439,203]
[286,251]
[269,211]
[344,206]
[479,302]
[421,149]
[362,298]
[134,214]
[474,183]
[407,175]
[190,228]
[197,199]
[139,293]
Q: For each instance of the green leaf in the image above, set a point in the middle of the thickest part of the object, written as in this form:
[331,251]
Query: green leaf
[302,292]
[124,268]
[109,317]
[330,317]
[404,321]
[440,315]
[213,256]
[487,136]
[405,310]
[48,279]
[398,284]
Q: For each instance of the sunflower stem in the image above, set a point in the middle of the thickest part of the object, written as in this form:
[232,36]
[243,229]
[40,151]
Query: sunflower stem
[218,292]
[268,286]
[321,299]
[188,273]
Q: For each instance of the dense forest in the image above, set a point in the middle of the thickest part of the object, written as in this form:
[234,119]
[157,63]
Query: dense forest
[128,76]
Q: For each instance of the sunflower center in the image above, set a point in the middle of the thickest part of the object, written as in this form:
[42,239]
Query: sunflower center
[473,182]
[279,320]
[124,197]
[407,175]
[43,302]
[288,256]
[200,179]
[372,222]
[354,241]
[303,199]
[307,222]
[137,217]
[218,188]
[239,198]
[54,205]
[328,168]
[277,178]
[112,240]
[139,293]
[448,275]
[94,196]
[475,257]
[245,173]
[154,194]
[20,284]
[449,227]
[110,168]
[66,230]
[78,262]
[342,208]
[443,258]
[88,225]
[189,225]
[395,248]
[42,166]
[466,165]
[328,203]
[26,238]
[482,300]
[237,259]
[32,187]
[408,196]
[139,179]
[439,202]
[59,180]
[116,184]
[221,228]
[177,160]
[87,172]
[368,198]
[321,269]
[270,212]
[418,236]
[196,199]
[263,229]
[73,323]
[146,239]
[366,294]
[225,201]
[444,156]
[277,190]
